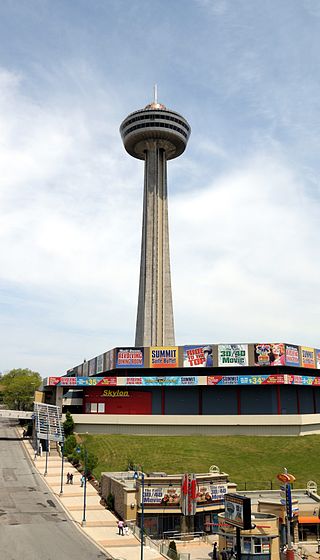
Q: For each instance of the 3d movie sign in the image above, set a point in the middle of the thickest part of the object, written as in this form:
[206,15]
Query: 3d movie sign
[232,355]
[197,356]
[237,511]
[129,358]
[159,495]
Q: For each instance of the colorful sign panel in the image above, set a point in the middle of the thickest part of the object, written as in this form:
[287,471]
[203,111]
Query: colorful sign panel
[210,493]
[129,358]
[232,355]
[278,379]
[237,511]
[307,357]
[184,380]
[99,364]
[292,355]
[92,366]
[197,356]
[317,353]
[269,354]
[164,495]
[164,357]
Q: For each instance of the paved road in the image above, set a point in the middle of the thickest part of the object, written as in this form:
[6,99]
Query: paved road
[33,526]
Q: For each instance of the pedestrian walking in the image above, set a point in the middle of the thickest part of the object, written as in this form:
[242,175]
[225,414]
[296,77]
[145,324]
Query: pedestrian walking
[224,554]
[120,527]
[126,529]
[68,478]
[71,478]
[82,480]
[35,455]
[215,551]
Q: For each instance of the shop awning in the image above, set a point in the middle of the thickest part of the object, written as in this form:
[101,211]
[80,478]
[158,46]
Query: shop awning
[308,519]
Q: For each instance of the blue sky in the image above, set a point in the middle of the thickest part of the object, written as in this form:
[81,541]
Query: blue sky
[243,199]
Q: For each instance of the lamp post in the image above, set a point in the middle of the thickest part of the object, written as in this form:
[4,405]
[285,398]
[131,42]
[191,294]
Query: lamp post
[47,448]
[136,476]
[62,465]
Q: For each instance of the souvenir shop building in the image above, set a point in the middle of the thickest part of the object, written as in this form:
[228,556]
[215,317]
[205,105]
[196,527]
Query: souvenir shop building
[231,380]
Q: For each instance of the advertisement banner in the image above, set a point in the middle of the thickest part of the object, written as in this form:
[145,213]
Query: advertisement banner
[317,352]
[232,355]
[197,356]
[129,357]
[51,381]
[166,381]
[99,364]
[238,511]
[269,354]
[164,357]
[307,357]
[164,495]
[278,379]
[85,369]
[92,366]
[292,355]
[210,493]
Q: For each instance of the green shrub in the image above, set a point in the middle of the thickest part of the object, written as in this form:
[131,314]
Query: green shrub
[69,445]
[68,424]
[110,501]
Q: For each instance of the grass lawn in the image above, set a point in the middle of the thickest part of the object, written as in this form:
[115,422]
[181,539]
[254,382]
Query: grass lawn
[247,459]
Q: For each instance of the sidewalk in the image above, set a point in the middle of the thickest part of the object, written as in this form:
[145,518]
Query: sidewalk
[101,524]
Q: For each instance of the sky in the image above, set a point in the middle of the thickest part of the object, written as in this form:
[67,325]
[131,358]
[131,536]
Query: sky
[244,198]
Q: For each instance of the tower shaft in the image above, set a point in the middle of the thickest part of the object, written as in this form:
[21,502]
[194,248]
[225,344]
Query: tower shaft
[155,325]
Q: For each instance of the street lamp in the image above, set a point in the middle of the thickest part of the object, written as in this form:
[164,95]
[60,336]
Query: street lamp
[62,465]
[47,448]
[136,476]
[84,521]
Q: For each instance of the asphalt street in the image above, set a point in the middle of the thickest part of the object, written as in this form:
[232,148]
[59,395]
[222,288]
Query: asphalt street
[33,526]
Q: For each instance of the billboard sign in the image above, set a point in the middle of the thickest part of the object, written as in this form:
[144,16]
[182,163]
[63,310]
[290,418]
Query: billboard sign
[292,355]
[166,381]
[162,495]
[197,356]
[92,366]
[99,364]
[164,357]
[237,511]
[317,353]
[129,358]
[307,357]
[269,354]
[232,355]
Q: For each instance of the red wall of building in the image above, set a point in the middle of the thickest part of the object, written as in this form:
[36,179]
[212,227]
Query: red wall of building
[119,400]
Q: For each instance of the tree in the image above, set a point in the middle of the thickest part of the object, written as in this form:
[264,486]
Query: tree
[69,445]
[18,387]
[68,424]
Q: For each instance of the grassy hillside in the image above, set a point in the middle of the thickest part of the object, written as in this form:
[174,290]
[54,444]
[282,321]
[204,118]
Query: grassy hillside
[247,459]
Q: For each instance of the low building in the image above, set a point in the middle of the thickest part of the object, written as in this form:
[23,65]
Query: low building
[169,504]
[261,542]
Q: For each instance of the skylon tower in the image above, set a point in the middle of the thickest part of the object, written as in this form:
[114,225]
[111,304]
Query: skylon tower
[155,134]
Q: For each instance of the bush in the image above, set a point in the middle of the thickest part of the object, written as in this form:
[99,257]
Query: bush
[69,445]
[68,424]
[110,502]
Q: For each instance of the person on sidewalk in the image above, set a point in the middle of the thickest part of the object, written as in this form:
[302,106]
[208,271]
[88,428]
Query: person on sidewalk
[120,527]
[215,551]
[126,529]
[68,478]
[71,478]
[82,480]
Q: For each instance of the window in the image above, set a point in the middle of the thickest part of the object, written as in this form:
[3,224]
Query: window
[88,408]
[94,408]
[101,406]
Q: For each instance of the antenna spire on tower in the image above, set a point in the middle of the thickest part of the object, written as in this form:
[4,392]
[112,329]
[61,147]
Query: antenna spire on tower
[155,93]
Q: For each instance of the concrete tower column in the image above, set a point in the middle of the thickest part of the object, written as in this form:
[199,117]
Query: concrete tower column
[155,134]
